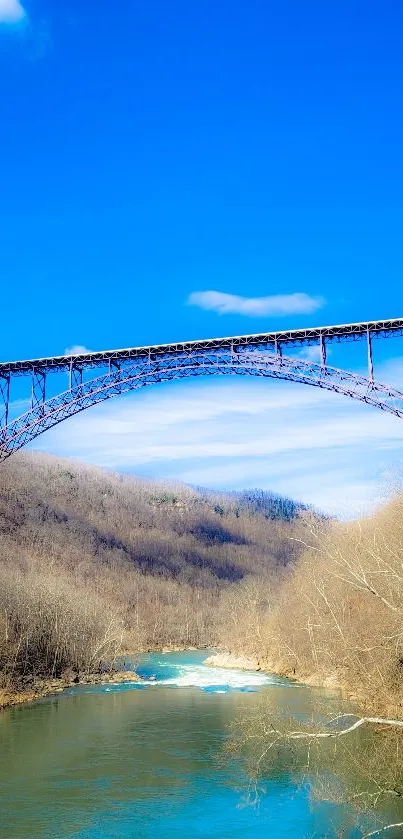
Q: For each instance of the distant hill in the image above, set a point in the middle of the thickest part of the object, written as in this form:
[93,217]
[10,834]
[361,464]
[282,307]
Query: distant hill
[261,502]
[52,507]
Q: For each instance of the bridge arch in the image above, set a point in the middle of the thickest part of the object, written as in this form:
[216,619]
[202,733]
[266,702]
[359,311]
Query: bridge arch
[143,371]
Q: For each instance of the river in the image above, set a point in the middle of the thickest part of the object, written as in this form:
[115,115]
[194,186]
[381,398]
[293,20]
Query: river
[130,761]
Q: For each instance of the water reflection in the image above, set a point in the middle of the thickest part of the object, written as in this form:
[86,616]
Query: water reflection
[361,769]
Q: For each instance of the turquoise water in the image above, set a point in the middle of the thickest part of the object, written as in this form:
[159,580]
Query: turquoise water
[128,761]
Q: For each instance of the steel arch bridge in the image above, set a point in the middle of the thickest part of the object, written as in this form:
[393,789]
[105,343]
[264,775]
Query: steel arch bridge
[96,376]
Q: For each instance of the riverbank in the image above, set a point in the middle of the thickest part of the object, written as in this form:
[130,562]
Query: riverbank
[233,662]
[240,662]
[38,688]
[31,688]
[34,689]
[331,682]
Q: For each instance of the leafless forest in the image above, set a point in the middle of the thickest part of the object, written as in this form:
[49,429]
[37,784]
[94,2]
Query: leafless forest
[337,617]
[93,563]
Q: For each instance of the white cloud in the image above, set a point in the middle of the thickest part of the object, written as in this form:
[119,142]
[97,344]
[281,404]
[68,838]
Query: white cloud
[276,304]
[75,349]
[11,11]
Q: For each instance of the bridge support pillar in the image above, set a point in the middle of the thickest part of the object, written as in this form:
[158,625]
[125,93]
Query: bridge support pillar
[4,402]
[370,359]
[322,351]
[114,365]
[75,376]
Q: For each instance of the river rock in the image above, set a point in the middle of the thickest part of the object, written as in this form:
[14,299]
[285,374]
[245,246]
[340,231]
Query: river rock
[232,662]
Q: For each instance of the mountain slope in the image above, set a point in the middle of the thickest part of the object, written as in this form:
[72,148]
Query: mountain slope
[122,557]
[69,512]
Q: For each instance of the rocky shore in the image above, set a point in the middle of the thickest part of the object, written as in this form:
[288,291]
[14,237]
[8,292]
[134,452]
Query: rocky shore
[240,662]
[333,682]
[233,662]
[31,688]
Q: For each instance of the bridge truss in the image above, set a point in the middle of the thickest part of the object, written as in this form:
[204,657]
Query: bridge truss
[95,377]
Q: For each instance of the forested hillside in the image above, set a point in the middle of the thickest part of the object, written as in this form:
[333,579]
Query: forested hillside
[91,562]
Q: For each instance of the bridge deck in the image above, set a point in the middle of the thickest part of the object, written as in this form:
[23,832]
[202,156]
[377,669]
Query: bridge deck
[290,338]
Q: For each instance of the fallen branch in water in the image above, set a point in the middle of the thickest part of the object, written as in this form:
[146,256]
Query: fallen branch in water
[382,830]
[306,735]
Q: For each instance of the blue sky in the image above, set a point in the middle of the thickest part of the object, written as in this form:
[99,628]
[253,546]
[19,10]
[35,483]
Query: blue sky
[152,152]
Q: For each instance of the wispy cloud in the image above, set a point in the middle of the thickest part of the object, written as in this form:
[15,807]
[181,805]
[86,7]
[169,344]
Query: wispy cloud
[313,354]
[76,349]
[275,304]
[313,445]
[11,11]
[31,38]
